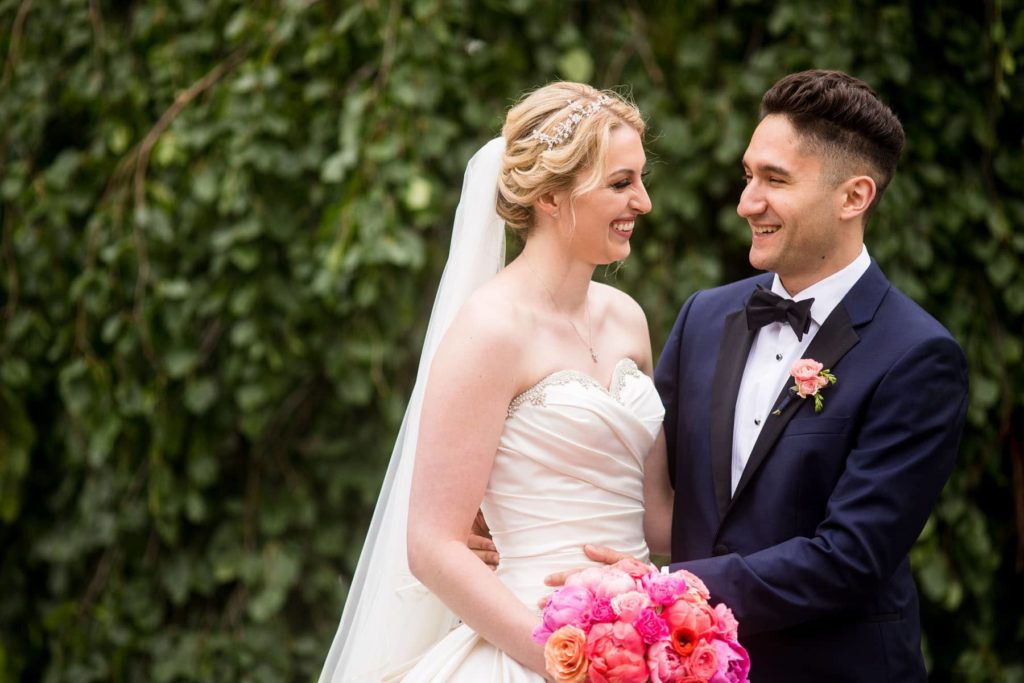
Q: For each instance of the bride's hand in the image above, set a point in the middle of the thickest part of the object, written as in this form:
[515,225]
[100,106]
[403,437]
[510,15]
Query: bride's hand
[480,542]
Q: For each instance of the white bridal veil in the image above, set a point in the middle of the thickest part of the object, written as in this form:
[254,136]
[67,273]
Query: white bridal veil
[389,617]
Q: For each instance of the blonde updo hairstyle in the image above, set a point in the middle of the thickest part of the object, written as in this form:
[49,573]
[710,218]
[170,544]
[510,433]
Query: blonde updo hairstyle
[529,170]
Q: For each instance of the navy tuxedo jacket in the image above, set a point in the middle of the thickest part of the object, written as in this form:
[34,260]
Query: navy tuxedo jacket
[811,552]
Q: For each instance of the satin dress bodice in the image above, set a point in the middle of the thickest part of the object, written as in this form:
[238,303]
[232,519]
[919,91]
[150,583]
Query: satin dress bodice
[568,471]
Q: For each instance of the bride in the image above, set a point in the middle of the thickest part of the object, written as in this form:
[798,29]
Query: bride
[533,404]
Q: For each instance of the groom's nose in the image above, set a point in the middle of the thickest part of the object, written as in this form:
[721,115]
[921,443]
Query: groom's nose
[752,201]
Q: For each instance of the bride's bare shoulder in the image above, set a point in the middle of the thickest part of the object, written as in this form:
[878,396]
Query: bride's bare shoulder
[619,306]
[490,325]
[626,321]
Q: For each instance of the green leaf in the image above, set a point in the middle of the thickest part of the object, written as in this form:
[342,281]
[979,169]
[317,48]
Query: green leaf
[418,194]
[180,362]
[200,395]
[576,65]
[14,372]
[103,438]
[17,437]
[251,396]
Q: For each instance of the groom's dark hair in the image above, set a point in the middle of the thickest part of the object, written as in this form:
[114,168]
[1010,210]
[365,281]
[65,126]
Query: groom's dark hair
[841,118]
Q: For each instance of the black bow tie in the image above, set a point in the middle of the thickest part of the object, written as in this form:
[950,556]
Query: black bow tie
[766,307]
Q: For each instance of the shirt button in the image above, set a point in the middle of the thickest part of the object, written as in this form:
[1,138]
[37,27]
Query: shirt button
[757,421]
[778,356]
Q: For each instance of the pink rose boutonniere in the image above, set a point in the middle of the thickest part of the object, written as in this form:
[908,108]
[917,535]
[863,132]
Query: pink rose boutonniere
[811,378]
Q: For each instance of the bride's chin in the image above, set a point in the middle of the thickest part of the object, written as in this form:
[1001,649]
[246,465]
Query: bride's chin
[611,260]
[620,254]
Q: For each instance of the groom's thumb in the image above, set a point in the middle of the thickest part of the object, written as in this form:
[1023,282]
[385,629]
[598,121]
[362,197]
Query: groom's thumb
[599,553]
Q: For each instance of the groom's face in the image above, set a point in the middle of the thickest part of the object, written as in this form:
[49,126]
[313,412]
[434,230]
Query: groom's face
[791,206]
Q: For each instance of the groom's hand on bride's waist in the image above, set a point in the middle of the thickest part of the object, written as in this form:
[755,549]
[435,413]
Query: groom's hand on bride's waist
[480,542]
[483,548]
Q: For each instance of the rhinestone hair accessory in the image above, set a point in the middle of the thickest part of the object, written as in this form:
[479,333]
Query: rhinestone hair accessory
[563,130]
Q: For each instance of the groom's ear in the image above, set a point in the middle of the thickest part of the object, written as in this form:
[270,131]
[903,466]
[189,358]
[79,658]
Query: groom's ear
[856,196]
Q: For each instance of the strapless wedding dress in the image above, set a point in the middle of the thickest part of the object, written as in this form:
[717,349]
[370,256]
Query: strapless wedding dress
[568,471]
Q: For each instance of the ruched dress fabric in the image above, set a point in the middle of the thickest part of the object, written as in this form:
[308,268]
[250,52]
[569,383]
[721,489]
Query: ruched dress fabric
[568,471]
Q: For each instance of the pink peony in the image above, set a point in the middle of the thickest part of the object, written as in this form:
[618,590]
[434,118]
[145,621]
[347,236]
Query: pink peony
[540,633]
[616,654]
[603,582]
[601,610]
[726,624]
[694,584]
[664,663]
[635,568]
[733,662]
[629,604]
[650,626]
[569,605]
[664,588]
[703,661]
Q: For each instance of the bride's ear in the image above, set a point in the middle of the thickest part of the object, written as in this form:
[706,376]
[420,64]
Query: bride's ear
[548,204]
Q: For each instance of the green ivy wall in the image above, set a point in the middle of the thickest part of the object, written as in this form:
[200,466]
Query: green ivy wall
[222,225]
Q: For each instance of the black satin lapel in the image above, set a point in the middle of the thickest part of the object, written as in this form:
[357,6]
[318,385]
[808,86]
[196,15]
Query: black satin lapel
[732,358]
[833,340]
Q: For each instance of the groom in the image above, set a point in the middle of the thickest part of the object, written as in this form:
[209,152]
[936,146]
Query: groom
[801,519]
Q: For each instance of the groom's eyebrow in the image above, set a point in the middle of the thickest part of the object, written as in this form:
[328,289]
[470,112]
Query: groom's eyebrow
[770,169]
[767,169]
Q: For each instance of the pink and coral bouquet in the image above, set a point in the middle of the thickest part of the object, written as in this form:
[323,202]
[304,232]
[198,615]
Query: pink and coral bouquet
[629,623]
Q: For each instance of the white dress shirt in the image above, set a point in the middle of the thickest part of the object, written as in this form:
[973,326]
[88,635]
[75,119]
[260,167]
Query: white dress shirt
[773,353]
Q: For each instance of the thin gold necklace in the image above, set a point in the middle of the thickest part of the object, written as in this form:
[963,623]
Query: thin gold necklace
[588,342]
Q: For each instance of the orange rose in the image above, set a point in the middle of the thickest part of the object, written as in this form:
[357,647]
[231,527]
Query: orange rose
[563,655]
[684,640]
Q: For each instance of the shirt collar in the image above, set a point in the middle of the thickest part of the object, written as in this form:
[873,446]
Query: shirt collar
[829,292]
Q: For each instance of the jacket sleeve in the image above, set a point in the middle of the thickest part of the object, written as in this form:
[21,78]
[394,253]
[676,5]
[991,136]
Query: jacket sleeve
[902,455]
[666,379]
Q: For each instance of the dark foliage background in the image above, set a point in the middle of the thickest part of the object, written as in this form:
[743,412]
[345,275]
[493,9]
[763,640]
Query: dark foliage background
[222,226]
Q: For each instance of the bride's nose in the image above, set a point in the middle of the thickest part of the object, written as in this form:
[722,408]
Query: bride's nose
[641,202]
